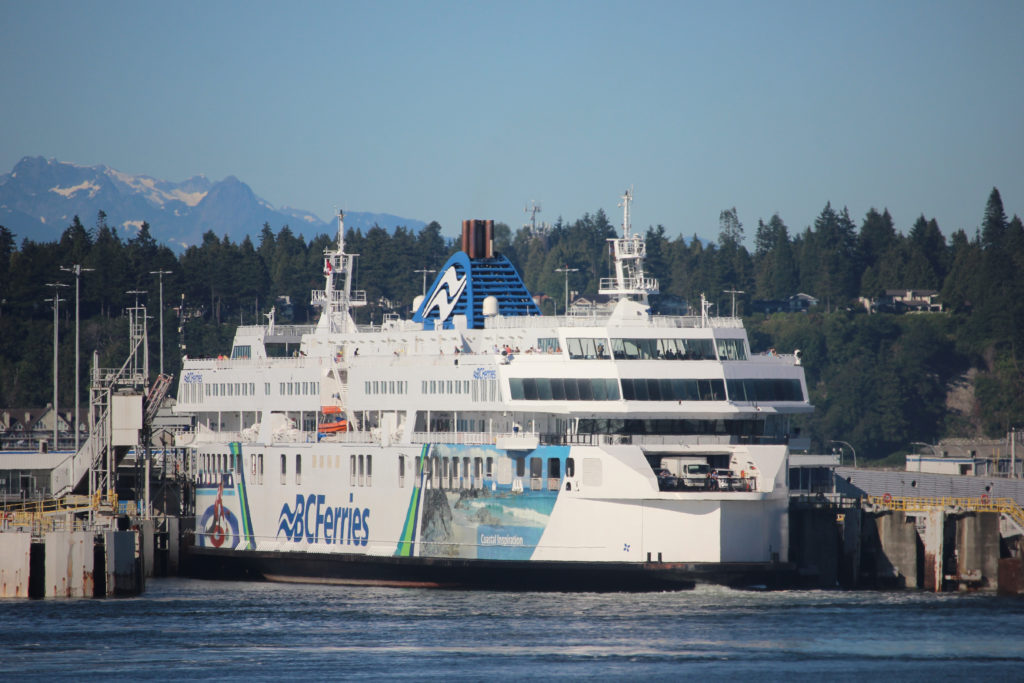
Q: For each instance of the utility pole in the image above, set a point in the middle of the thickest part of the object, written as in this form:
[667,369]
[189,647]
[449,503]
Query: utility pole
[567,270]
[161,273]
[56,306]
[77,269]
[425,271]
[734,292]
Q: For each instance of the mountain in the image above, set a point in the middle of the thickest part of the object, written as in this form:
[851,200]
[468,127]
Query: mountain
[39,198]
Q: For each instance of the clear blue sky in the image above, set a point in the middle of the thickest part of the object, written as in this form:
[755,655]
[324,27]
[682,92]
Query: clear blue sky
[449,110]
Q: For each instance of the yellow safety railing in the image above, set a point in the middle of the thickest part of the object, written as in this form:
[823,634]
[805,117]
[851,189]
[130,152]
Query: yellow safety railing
[46,514]
[1006,506]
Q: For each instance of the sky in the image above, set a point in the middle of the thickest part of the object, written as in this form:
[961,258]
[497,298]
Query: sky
[441,110]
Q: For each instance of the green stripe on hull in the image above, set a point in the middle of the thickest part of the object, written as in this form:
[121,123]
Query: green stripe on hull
[243,497]
[405,545]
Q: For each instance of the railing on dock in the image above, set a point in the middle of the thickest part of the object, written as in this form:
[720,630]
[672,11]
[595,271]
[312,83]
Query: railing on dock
[1005,506]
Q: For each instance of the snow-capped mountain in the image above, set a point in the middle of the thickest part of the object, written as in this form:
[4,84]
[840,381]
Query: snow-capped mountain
[40,197]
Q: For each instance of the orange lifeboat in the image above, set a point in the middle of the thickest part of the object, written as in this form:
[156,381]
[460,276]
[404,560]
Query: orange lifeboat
[331,421]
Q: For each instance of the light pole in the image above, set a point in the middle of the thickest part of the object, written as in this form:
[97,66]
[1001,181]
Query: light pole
[161,273]
[56,306]
[425,271]
[77,269]
[852,449]
[734,292]
[567,270]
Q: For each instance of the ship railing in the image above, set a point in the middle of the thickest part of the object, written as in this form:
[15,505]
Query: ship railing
[471,438]
[279,330]
[595,319]
[254,363]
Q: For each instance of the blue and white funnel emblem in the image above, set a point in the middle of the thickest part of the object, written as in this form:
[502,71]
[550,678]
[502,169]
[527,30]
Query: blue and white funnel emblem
[445,295]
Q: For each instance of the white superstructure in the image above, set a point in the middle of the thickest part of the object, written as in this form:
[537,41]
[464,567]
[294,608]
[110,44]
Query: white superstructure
[480,431]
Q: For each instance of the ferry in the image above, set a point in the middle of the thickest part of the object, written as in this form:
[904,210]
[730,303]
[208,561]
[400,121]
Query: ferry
[481,444]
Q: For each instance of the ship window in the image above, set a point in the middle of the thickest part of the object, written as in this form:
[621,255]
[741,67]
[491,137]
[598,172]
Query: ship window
[520,467]
[369,470]
[252,388]
[352,470]
[284,468]
[585,389]
[361,470]
[731,349]
[515,388]
[298,468]
[423,387]
[466,473]
[401,471]
[536,472]
[266,388]
[280,388]
[206,389]
[433,386]
[478,468]
[259,471]
[543,389]
[548,345]
[489,472]
[570,467]
[554,472]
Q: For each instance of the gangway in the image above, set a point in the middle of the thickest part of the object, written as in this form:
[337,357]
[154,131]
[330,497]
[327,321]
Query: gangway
[96,461]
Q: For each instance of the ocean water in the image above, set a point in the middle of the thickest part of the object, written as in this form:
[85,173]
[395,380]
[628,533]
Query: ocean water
[183,629]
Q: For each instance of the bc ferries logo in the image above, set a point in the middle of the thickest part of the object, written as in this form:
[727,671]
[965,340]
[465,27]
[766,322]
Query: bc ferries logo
[218,524]
[446,294]
[311,520]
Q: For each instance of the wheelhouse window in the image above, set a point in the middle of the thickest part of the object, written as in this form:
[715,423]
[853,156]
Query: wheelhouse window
[676,389]
[765,390]
[663,349]
[731,349]
[587,347]
[564,389]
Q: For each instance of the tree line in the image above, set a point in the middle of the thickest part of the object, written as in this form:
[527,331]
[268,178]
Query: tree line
[879,381]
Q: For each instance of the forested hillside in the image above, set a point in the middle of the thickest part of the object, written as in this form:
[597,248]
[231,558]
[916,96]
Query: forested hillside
[879,381]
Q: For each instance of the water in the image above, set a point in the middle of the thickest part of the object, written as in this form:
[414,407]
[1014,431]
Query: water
[184,629]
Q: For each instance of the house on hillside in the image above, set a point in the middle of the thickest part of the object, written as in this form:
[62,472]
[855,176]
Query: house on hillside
[27,428]
[901,301]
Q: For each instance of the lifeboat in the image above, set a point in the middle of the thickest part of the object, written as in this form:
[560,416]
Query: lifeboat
[331,420]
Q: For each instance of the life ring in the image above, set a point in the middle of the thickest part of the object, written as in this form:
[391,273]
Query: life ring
[887,498]
[984,499]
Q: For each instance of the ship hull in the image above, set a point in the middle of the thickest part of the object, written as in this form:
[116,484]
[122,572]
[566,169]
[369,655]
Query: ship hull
[503,575]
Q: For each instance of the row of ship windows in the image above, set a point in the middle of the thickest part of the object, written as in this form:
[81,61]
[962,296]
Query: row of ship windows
[438,472]
[479,390]
[196,392]
[651,349]
[653,389]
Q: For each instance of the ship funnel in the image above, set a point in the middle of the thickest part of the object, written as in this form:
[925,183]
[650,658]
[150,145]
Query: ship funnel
[478,238]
